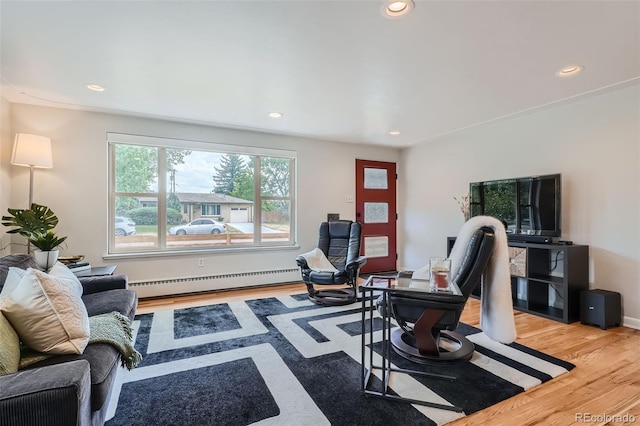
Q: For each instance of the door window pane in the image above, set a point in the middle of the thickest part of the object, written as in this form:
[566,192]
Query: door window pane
[376,246]
[375,178]
[376,213]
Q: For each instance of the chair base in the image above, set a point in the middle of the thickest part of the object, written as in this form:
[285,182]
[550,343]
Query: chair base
[404,345]
[333,297]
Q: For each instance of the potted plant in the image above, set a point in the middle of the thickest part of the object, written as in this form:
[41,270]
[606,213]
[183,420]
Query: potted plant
[36,225]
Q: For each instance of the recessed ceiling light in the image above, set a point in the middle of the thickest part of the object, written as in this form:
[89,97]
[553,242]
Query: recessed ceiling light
[95,87]
[397,8]
[394,132]
[569,70]
[275,114]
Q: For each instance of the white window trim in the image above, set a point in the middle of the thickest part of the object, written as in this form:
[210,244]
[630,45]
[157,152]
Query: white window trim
[122,138]
[160,142]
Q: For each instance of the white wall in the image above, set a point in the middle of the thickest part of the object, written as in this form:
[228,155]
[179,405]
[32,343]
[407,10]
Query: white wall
[76,190]
[594,142]
[6,145]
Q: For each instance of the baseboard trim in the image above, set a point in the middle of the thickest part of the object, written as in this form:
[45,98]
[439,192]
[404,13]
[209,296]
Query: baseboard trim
[183,285]
[631,322]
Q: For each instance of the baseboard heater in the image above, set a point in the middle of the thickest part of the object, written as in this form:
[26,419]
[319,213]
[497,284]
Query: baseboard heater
[171,286]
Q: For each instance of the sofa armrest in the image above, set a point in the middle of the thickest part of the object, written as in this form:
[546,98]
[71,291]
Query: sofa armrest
[103,283]
[39,396]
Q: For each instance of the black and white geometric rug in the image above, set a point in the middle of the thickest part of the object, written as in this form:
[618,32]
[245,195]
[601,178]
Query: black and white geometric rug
[286,361]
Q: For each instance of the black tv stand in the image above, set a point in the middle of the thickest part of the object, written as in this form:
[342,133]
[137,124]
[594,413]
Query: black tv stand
[535,239]
[546,279]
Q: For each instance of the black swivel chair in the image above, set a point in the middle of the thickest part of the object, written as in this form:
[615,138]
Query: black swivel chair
[340,243]
[434,315]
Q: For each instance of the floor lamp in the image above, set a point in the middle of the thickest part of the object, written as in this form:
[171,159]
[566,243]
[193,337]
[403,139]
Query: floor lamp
[34,152]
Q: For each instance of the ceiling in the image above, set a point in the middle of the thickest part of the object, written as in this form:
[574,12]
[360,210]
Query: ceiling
[337,70]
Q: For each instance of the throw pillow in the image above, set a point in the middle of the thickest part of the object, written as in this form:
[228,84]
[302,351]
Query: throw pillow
[9,347]
[13,278]
[61,271]
[48,314]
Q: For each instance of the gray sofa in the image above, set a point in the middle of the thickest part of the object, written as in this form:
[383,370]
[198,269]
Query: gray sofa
[67,389]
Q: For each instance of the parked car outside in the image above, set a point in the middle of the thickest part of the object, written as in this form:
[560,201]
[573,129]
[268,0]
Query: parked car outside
[124,226]
[199,226]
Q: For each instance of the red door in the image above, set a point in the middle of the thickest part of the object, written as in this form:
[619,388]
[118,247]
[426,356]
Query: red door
[376,210]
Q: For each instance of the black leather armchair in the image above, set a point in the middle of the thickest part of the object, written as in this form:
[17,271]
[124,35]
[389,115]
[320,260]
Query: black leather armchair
[427,318]
[339,241]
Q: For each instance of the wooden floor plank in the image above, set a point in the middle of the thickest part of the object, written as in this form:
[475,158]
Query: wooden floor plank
[604,385]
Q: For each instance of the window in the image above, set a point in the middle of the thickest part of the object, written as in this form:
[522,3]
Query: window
[211,210]
[185,195]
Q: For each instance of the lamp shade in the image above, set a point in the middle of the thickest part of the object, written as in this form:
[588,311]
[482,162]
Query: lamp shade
[32,150]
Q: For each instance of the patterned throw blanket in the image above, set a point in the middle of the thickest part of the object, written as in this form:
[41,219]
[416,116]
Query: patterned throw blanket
[112,328]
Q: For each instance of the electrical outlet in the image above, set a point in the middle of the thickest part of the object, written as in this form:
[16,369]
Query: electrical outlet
[349,198]
[201,261]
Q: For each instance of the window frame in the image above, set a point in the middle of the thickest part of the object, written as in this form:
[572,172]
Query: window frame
[162,144]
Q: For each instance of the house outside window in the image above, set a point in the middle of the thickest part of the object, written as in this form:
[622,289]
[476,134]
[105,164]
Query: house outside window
[165,185]
[211,210]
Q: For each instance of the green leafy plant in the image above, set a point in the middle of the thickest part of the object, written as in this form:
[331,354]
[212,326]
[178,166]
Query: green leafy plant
[36,225]
[47,242]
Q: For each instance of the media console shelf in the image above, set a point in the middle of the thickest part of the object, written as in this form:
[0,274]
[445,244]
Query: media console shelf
[546,279]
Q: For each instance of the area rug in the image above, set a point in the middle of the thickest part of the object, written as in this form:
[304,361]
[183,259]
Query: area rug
[286,361]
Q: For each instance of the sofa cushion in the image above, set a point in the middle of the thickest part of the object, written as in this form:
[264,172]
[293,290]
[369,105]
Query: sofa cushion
[48,314]
[9,347]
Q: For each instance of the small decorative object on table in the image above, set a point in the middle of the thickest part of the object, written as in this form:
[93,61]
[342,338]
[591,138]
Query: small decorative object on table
[75,263]
[79,266]
[70,259]
[464,204]
[440,270]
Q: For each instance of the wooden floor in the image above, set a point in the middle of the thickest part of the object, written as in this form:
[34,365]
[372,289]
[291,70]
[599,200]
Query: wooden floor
[604,388]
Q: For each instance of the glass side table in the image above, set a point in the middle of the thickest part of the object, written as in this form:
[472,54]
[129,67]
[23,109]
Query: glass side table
[386,285]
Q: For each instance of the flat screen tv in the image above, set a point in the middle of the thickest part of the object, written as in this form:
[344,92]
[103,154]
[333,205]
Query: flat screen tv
[528,205]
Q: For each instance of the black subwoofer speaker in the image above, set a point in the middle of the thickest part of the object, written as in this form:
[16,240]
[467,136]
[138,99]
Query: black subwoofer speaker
[601,308]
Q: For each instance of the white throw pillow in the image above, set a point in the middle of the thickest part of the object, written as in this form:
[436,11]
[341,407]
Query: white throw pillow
[61,271]
[48,314]
[11,282]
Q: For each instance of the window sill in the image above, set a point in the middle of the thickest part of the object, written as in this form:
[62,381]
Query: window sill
[237,250]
